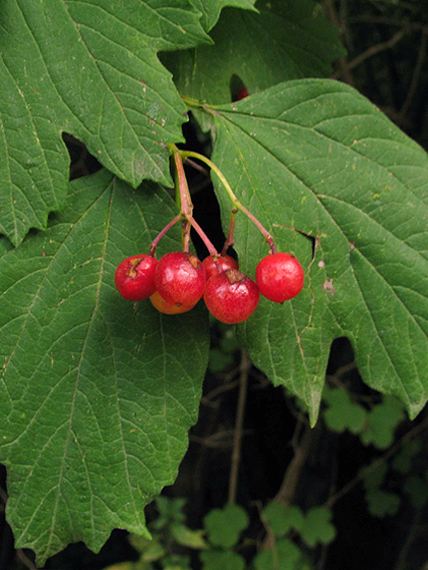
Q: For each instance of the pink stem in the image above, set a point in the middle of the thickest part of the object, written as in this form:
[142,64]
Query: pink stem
[212,250]
[157,239]
[230,239]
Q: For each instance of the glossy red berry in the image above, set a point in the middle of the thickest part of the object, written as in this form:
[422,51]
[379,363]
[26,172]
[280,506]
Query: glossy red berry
[280,277]
[231,296]
[163,306]
[135,277]
[242,93]
[180,278]
[225,262]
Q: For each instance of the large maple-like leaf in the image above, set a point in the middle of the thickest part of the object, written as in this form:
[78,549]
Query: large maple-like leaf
[314,159]
[88,68]
[96,393]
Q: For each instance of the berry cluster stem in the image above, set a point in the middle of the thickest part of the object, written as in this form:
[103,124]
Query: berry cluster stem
[236,203]
[186,207]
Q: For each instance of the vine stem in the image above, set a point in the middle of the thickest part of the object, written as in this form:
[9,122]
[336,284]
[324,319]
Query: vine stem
[236,203]
[239,423]
[186,207]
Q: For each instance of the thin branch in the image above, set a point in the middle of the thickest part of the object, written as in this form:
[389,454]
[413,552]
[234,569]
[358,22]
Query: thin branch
[373,50]
[415,77]
[237,440]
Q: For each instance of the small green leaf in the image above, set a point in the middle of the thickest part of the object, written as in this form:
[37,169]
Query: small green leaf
[381,503]
[284,555]
[402,462]
[188,537]
[382,422]
[281,518]
[317,527]
[225,525]
[219,360]
[222,560]
[170,510]
[374,478]
[417,488]
[342,413]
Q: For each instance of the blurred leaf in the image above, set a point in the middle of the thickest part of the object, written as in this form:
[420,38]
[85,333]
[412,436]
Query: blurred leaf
[187,537]
[219,360]
[374,478]
[417,488]
[381,503]
[284,555]
[224,526]
[281,518]
[317,527]
[382,421]
[402,462]
[170,510]
[342,413]
[222,560]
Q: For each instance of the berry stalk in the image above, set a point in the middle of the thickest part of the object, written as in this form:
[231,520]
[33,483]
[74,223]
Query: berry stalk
[186,206]
[236,203]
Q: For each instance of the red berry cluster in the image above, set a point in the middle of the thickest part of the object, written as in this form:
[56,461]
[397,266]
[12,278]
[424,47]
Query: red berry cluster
[179,280]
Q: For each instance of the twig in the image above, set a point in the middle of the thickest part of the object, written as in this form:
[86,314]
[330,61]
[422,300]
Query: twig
[342,62]
[415,77]
[25,560]
[373,50]
[236,453]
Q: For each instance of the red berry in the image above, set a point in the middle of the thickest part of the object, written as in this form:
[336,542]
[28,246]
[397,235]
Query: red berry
[280,277]
[180,278]
[163,306]
[231,296]
[135,277]
[242,93]
[225,261]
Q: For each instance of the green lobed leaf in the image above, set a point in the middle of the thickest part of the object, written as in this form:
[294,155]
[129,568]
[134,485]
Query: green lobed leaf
[283,518]
[341,187]
[87,67]
[381,503]
[284,40]
[185,536]
[285,555]
[97,393]
[317,527]
[222,560]
[402,462]
[382,422]
[417,488]
[342,413]
[225,525]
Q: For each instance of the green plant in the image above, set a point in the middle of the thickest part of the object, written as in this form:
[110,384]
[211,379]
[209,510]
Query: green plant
[97,394]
